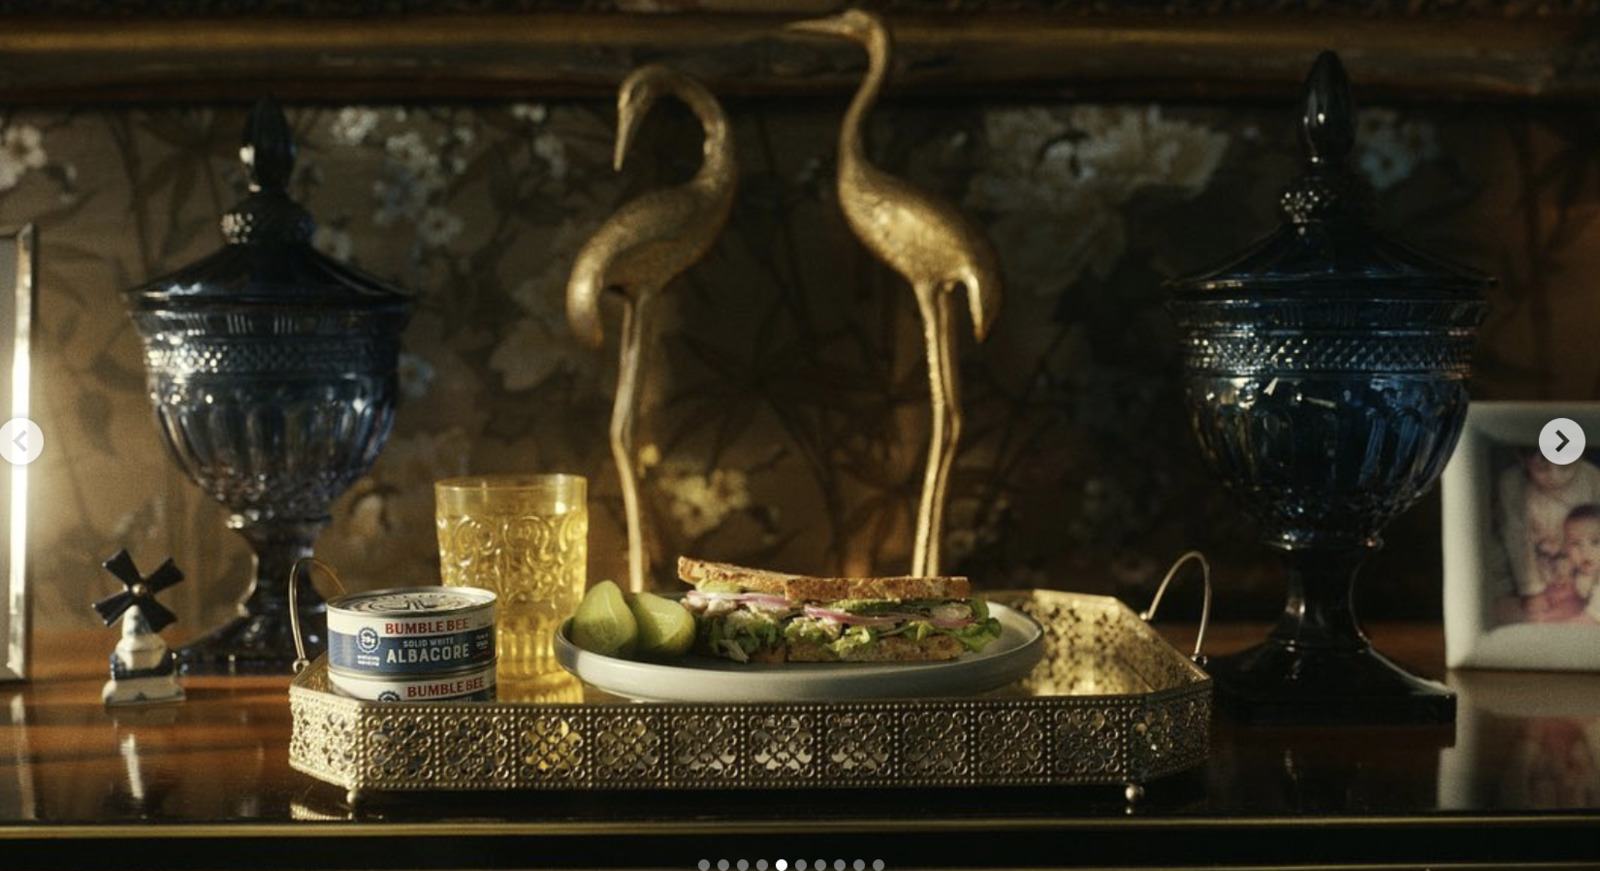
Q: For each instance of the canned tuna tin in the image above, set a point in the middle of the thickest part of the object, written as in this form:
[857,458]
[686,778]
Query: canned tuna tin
[411,631]
[476,685]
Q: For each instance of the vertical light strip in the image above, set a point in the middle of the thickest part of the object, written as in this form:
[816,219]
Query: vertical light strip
[23,299]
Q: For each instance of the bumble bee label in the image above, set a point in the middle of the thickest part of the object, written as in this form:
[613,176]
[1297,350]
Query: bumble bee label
[477,685]
[411,631]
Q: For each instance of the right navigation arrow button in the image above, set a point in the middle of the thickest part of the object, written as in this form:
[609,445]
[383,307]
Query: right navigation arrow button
[1562,441]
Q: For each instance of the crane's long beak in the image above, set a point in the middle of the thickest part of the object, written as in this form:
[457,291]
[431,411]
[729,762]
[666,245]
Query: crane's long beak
[818,27]
[629,118]
[983,300]
[984,313]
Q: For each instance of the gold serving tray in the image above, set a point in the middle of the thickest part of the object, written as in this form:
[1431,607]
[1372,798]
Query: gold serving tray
[1111,702]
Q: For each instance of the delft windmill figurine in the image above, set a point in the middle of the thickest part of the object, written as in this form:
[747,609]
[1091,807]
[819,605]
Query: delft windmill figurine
[143,668]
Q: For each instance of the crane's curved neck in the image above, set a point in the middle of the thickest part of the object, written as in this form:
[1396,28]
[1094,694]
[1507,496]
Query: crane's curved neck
[852,148]
[718,164]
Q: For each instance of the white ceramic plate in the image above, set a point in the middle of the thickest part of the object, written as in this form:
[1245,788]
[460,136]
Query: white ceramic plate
[706,679]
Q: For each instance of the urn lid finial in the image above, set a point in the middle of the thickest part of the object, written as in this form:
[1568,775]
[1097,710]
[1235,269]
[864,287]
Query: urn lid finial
[268,257]
[1329,247]
[1328,189]
[268,213]
[268,150]
[1328,124]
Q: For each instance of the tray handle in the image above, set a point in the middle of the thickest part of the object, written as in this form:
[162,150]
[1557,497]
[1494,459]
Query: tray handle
[1205,603]
[301,661]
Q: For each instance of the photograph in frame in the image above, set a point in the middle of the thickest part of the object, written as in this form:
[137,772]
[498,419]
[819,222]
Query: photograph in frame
[18,267]
[1521,539]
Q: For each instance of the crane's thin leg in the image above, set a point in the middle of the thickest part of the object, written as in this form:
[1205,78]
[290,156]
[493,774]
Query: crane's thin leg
[624,413]
[944,389]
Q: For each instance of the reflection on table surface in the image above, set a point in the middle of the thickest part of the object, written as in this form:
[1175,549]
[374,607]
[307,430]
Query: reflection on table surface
[1522,742]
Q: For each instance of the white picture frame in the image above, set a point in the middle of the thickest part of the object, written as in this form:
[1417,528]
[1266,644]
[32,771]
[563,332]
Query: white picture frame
[19,268]
[1488,623]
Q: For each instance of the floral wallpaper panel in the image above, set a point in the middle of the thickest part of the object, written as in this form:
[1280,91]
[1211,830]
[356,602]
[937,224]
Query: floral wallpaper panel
[786,412]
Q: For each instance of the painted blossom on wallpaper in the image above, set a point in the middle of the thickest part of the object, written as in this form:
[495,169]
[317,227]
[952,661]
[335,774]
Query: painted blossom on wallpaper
[1390,148]
[23,152]
[21,149]
[701,501]
[1058,180]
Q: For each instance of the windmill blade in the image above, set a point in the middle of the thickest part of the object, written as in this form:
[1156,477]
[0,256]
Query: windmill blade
[156,614]
[163,577]
[112,606]
[121,565]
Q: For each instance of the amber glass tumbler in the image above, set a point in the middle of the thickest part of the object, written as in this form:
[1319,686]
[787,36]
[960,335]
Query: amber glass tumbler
[525,537]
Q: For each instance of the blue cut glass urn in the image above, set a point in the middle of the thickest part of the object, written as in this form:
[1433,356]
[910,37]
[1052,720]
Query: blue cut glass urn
[1325,373]
[273,371]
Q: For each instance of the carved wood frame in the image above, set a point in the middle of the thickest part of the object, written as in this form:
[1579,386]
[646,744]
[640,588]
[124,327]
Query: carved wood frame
[353,50]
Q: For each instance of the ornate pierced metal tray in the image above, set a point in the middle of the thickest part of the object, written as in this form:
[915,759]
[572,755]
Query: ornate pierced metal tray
[1111,702]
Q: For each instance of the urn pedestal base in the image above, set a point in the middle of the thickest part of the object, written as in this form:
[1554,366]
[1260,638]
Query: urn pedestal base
[1317,665]
[261,640]
[1277,682]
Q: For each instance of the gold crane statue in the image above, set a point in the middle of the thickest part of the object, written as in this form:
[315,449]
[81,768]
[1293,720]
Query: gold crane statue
[933,246]
[642,247]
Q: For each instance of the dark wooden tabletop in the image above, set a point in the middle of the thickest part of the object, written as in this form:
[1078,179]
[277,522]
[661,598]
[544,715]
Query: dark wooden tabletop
[207,783]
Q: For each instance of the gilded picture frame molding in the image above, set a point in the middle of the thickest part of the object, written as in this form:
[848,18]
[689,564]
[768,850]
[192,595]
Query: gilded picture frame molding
[363,51]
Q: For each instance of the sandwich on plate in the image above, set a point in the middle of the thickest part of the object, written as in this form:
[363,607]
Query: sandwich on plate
[756,615]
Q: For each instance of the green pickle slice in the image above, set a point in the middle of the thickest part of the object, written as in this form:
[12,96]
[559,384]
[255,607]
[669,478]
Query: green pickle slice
[666,628]
[604,623]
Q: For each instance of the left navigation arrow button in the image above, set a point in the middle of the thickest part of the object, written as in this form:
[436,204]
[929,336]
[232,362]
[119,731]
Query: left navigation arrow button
[21,441]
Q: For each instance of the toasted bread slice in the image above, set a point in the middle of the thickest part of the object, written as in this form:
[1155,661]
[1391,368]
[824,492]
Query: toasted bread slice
[696,572]
[806,588]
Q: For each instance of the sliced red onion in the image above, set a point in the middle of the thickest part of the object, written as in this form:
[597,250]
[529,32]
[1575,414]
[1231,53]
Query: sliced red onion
[952,624]
[771,600]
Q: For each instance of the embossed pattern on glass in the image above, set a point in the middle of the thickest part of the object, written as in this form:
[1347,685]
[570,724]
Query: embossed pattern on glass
[525,538]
